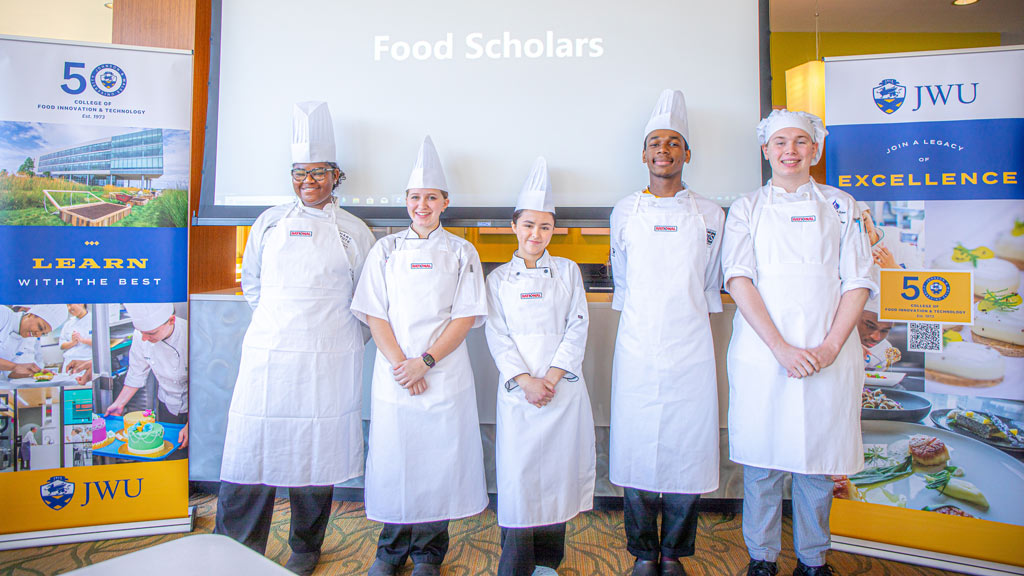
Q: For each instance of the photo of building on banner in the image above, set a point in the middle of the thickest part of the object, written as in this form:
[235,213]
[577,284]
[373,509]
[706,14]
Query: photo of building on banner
[94,173]
[933,150]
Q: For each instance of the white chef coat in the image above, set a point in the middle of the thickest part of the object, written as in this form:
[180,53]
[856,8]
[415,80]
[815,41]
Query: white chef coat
[355,237]
[11,342]
[167,360]
[83,326]
[714,220]
[854,253]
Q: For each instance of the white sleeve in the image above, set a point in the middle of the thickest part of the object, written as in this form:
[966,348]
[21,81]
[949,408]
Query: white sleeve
[619,219]
[569,355]
[713,272]
[65,333]
[252,261]
[470,293]
[506,355]
[855,254]
[138,367]
[364,241]
[738,245]
[371,295]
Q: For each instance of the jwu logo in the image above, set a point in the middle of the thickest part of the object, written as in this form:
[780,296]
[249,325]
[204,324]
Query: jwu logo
[889,95]
[58,492]
[107,80]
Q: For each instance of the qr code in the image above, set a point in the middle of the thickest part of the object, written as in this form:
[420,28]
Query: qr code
[924,337]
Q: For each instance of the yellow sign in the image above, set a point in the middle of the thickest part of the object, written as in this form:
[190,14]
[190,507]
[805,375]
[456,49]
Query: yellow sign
[34,500]
[934,296]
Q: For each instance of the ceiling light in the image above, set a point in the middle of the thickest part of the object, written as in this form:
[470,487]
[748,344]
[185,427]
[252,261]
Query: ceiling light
[963,2]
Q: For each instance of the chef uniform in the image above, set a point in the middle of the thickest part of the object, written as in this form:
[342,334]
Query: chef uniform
[664,421]
[425,460]
[802,250]
[79,351]
[546,460]
[167,359]
[295,416]
[17,349]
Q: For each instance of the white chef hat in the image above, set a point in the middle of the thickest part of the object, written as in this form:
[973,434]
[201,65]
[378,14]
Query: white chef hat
[53,314]
[427,172]
[873,305]
[149,316]
[783,118]
[536,192]
[312,133]
[669,114]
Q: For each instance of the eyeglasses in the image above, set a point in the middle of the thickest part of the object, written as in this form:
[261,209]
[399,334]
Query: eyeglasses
[318,174]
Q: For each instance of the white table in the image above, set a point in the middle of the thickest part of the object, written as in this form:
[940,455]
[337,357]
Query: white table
[200,554]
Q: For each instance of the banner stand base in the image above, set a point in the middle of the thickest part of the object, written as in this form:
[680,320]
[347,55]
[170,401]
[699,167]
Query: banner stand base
[923,557]
[102,532]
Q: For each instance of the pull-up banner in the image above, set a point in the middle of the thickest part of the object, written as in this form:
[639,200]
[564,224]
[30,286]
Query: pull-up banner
[94,172]
[931,145]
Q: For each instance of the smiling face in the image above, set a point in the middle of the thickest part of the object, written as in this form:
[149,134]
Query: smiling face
[790,151]
[312,193]
[77,310]
[665,153]
[870,330]
[533,229]
[33,326]
[425,206]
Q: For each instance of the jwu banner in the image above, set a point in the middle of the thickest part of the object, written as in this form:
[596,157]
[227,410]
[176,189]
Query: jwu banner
[932,145]
[94,172]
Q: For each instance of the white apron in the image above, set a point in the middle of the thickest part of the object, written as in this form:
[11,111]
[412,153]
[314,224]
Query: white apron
[295,412]
[664,421]
[425,461]
[809,425]
[545,456]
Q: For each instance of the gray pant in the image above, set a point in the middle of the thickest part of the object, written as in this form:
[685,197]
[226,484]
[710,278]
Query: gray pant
[762,514]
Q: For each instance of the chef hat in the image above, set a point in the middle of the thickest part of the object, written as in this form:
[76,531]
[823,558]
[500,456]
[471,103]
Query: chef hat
[312,133]
[147,317]
[428,172]
[805,121]
[669,114]
[536,192]
[873,305]
[53,314]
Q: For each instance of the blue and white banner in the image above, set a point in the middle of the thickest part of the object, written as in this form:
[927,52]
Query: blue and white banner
[932,147]
[927,126]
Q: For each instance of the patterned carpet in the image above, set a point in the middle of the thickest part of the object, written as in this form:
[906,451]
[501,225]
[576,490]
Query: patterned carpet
[595,546]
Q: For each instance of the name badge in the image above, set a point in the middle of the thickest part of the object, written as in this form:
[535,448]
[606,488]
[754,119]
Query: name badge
[666,228]
[711,235]
[531,295]
[421,266]
[803,218]
[301,233]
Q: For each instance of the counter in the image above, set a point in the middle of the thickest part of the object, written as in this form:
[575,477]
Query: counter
[218,321]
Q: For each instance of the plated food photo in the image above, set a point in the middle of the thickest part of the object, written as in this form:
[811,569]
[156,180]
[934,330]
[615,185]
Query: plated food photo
[992,429]
[933,469]
[877,404]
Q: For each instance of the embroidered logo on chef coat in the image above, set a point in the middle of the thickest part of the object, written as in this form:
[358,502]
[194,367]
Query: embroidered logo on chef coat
[711,235]
[531,295]
[421,266]
[301,233]
[803,218]
[666,228]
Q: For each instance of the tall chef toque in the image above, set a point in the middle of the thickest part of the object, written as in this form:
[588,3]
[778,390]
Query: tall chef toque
[53,314]
[536,192]
[669,114]
[783,118]
[148,316]
[312,133]
[428,172]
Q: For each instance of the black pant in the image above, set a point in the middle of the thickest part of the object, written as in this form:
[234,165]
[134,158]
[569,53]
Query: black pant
[523,549]
[244,512]
[165,415]
[426,542]
[678,524]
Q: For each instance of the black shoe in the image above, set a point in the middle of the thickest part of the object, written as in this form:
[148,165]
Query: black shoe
[425,569]
[382,568]
[762,568]
[645,568]
[302,563]
[805,570]
[670,567]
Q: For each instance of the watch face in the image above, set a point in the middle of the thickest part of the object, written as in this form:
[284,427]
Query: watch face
[429,360]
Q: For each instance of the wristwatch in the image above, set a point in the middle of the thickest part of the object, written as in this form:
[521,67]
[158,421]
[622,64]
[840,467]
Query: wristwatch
[428,360]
